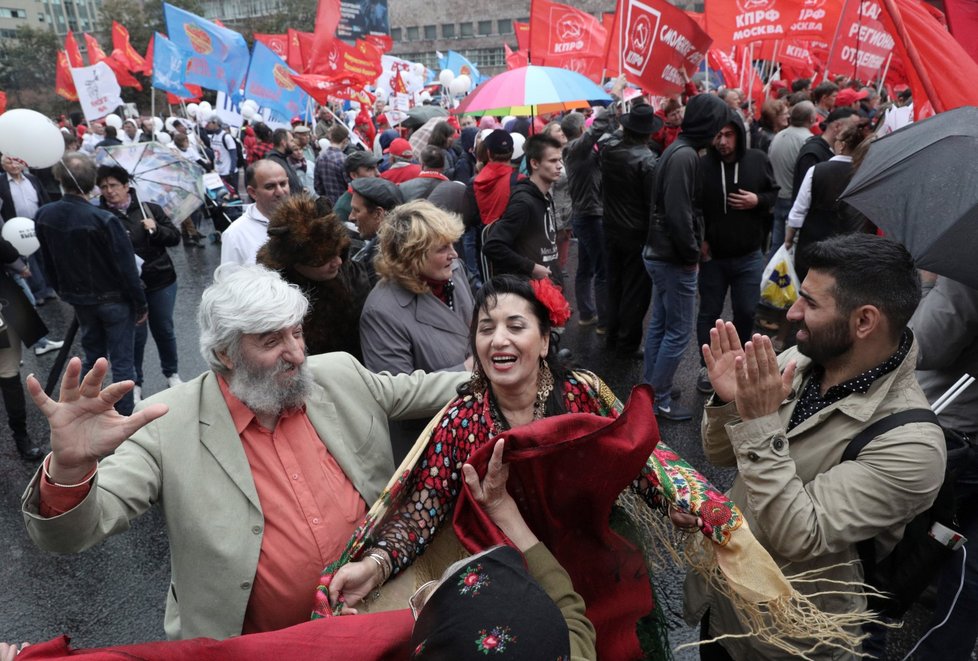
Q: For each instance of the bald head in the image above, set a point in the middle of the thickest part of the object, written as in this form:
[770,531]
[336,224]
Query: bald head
[803,114]
[268,185]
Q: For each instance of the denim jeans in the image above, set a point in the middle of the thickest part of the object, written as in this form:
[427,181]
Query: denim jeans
[742,276]
[160,304]
[470,255]
[108,329]
[781,209]
[590,282]
[670,326]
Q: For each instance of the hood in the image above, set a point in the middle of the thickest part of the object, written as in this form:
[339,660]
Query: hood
[734,119]
[705,116]
[527,187]
[467,138]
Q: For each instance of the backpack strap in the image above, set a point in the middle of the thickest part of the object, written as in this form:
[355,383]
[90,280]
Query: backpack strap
[884,425]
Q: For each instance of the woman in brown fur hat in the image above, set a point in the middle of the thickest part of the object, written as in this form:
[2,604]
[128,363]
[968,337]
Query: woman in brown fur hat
[310,250]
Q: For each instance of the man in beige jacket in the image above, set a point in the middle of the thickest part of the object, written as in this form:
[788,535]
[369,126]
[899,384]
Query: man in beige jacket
[262,466]
[785,421]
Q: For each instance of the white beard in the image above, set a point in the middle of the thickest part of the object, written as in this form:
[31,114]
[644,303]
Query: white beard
[263,393]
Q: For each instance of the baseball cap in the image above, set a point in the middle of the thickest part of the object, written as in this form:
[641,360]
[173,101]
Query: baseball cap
[499,142]
[302,128]
[848,96]
[377,191]
[401,148]
[836,115]
[358,159]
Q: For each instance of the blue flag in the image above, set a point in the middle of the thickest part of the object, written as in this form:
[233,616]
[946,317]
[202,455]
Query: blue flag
[219,57]
[271,86]
[169,66]
[459,64]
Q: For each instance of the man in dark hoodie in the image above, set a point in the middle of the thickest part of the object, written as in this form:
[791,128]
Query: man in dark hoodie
[737,195]
[524,239]
[627,180]
[818,148]
[672,249]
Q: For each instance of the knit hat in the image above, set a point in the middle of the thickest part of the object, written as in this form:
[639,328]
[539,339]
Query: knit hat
[297,234]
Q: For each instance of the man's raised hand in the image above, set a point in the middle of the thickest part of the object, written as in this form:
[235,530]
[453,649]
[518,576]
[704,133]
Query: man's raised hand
[84,423]
[720,357]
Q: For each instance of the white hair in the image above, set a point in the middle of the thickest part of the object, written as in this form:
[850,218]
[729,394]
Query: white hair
[242,301]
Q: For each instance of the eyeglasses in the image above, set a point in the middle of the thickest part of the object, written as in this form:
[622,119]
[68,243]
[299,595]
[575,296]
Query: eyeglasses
[420,597]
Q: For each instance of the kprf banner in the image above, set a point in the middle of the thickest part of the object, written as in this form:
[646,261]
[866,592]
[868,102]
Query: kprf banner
[270,84]
[863,42]
[741,22]
[220,56]
[656,44]
[98,90]
[279,43]
[559,33]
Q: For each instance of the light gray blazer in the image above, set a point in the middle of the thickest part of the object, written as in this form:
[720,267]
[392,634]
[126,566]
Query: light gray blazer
[191,462]
[401,331]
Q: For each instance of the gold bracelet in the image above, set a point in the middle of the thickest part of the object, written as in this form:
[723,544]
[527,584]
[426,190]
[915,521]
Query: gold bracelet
[380,565]
[44,469]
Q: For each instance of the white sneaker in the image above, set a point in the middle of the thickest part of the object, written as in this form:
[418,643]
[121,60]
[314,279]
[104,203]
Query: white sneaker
[137,394]
[173,380]
[52,345]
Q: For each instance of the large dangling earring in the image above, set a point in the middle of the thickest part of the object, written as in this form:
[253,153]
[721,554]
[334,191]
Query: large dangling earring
[477,384]
[545,386]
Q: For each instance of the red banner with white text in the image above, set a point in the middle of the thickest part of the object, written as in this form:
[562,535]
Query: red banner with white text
[742,22]
[565,37]
[864,41]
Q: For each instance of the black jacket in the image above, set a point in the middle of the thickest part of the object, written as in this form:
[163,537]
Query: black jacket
[676,230]
[815,150]
[736,232]
[525,234]
[627,182]
[158,271]
[16,310]
[584,169]
[7,208]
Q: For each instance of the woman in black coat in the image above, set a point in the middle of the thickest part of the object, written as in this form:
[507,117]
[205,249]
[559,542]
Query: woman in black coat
[151,233]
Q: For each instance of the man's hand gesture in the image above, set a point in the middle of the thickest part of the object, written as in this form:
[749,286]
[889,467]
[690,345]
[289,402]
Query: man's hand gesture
[720,357]
[761,387]
[84,425]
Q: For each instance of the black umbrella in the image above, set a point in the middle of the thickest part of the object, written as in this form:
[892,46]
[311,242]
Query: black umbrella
[418,115]
[920,185]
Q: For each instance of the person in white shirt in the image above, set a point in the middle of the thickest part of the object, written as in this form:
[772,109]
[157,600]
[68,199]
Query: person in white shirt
[94,135]
[268,186]
[130,132]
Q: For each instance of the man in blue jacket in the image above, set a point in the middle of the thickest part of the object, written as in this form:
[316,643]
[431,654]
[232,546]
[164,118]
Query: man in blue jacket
[93,267]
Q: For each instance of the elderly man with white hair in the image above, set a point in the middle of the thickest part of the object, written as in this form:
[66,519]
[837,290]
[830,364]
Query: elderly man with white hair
[263,465]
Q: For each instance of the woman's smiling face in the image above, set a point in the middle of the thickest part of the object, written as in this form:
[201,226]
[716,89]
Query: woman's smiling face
[509,342]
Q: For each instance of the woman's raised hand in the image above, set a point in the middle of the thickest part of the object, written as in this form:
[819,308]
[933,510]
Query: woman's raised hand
[84,425]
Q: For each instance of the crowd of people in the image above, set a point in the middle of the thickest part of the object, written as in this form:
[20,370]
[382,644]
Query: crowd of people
[380,276]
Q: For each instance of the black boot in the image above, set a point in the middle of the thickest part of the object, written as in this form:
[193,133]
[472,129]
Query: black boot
[16,405]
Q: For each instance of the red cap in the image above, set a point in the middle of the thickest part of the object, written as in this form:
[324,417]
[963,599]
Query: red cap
[849,96]
[401,148]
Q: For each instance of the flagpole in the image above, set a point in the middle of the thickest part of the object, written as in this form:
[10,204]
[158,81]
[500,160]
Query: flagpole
[886,70]
[152,102]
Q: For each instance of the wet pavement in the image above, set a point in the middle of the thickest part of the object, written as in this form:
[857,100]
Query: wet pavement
[114,593]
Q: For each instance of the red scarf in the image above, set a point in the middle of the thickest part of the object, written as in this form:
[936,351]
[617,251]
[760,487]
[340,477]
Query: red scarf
[492,186]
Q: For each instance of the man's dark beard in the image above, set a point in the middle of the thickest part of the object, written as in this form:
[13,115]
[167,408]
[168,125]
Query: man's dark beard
[830,343]
[262,392]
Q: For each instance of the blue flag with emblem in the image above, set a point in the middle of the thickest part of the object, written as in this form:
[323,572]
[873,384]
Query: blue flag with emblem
[459,64]
[169,66]
[219,56]
[270,84]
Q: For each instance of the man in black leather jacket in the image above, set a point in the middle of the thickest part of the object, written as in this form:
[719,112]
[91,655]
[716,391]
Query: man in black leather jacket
[628,178]
[672,249]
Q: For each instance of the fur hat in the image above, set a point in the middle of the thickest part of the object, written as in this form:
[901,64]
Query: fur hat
[297,234]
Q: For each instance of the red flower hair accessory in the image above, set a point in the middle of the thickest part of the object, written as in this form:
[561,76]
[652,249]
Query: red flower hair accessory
[553,300]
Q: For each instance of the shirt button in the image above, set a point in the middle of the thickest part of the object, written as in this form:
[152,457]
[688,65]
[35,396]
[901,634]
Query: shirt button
[778,443]
[315,521]
[752,456]
[295,476]
[246,585]
[256,530]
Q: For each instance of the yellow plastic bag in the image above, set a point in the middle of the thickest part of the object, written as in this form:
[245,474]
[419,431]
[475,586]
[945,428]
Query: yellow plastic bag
[779,282]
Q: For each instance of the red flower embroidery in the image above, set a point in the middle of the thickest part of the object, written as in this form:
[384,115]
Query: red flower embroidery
[715,513]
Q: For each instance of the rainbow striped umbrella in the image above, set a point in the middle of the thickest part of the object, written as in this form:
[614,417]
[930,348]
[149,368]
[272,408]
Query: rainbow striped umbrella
[532,90]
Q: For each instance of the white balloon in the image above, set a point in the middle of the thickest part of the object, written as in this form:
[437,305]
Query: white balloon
[169,123]
[417,69]
[458,87]
[19,232]
[464,81]
[518,141]
[29,136]
[192,110]
[250,103]
[426,96]
[381,94]
[205,108]
[163,138]
[446,77]
[157,124]
[323,144]
[114,121]
[247,112]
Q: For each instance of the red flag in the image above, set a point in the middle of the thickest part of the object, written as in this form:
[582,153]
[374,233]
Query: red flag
[196,94]
[864,41]
[120,41]
[64,85]
[340,60]
[522,35]
[95,52]
[277,43]
[657,44]
[322,88]
[515,60]
[3,102]
[398,86]
[939,69]
[148,60]
[72,50]
[962,18]
[720,61]
[327,18]
[120,68]
[560,35]
[381,42]
[746,21]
